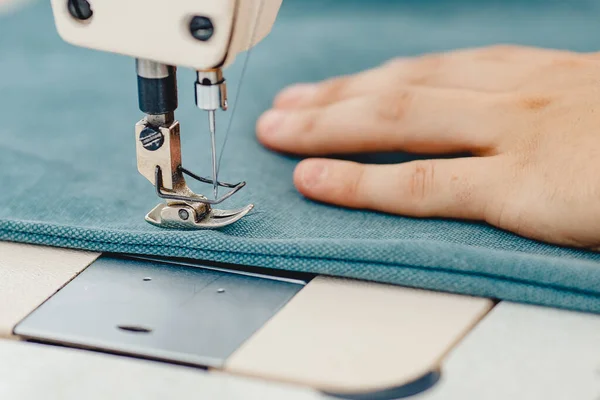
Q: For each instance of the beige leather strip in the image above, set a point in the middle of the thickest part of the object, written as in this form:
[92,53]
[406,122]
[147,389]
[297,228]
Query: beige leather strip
[346,336]
[31,274]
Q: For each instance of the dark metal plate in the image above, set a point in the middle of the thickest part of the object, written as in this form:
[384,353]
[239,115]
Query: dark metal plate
[153,309]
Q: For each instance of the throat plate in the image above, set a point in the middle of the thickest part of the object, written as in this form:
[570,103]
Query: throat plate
[152,309]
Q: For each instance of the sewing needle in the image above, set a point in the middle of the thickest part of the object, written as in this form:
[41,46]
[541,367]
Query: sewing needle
[213,140]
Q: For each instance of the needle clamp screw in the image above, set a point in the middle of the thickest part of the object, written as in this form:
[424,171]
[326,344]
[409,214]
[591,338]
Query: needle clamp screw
[151,138]
[201,28]
[80,9]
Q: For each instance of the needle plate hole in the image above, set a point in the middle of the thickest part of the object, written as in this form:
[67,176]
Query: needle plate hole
[134,328]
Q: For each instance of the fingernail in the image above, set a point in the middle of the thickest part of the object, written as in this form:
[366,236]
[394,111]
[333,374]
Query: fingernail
[313,173]
[270,122]
[296,93]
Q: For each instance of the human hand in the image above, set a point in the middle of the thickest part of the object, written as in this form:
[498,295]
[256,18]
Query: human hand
[528,116]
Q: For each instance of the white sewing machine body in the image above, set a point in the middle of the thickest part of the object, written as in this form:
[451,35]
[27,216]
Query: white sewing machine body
[160,30]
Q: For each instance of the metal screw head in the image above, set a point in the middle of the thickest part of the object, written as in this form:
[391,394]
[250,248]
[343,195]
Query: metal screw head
[183,214]
[80,9]
[201,28]
[152,139]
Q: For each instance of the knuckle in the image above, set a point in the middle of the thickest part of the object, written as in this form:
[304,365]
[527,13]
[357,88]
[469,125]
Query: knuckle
[569,61]
[333,89]
[394,106]
[534,103]
[498,216]
[354,184]
[302,131]
[523,101]
[506,215]
[420,78]
[416,71]
[498,52]
[309,123]
[430,62]
[421,180]
[425,69]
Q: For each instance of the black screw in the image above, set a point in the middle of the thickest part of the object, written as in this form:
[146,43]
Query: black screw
[80,9]
[151,138]
[184,215]
[201,28]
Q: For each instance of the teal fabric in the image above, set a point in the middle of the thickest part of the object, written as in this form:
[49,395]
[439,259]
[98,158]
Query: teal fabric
[67,157]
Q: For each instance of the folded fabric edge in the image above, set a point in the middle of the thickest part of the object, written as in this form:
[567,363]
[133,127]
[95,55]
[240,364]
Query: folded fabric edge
[583,275]
[458,282]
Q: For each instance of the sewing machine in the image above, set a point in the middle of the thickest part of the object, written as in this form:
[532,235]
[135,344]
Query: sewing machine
[203,36]
[235,332]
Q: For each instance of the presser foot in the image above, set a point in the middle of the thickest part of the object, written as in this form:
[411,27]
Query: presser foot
[159,160]
[185,209]
[186,216]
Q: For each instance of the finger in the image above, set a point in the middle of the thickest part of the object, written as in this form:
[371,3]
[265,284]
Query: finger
[331,90]
[421,120]
[511,53]
[460,72]
[491,69]
[455,188]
